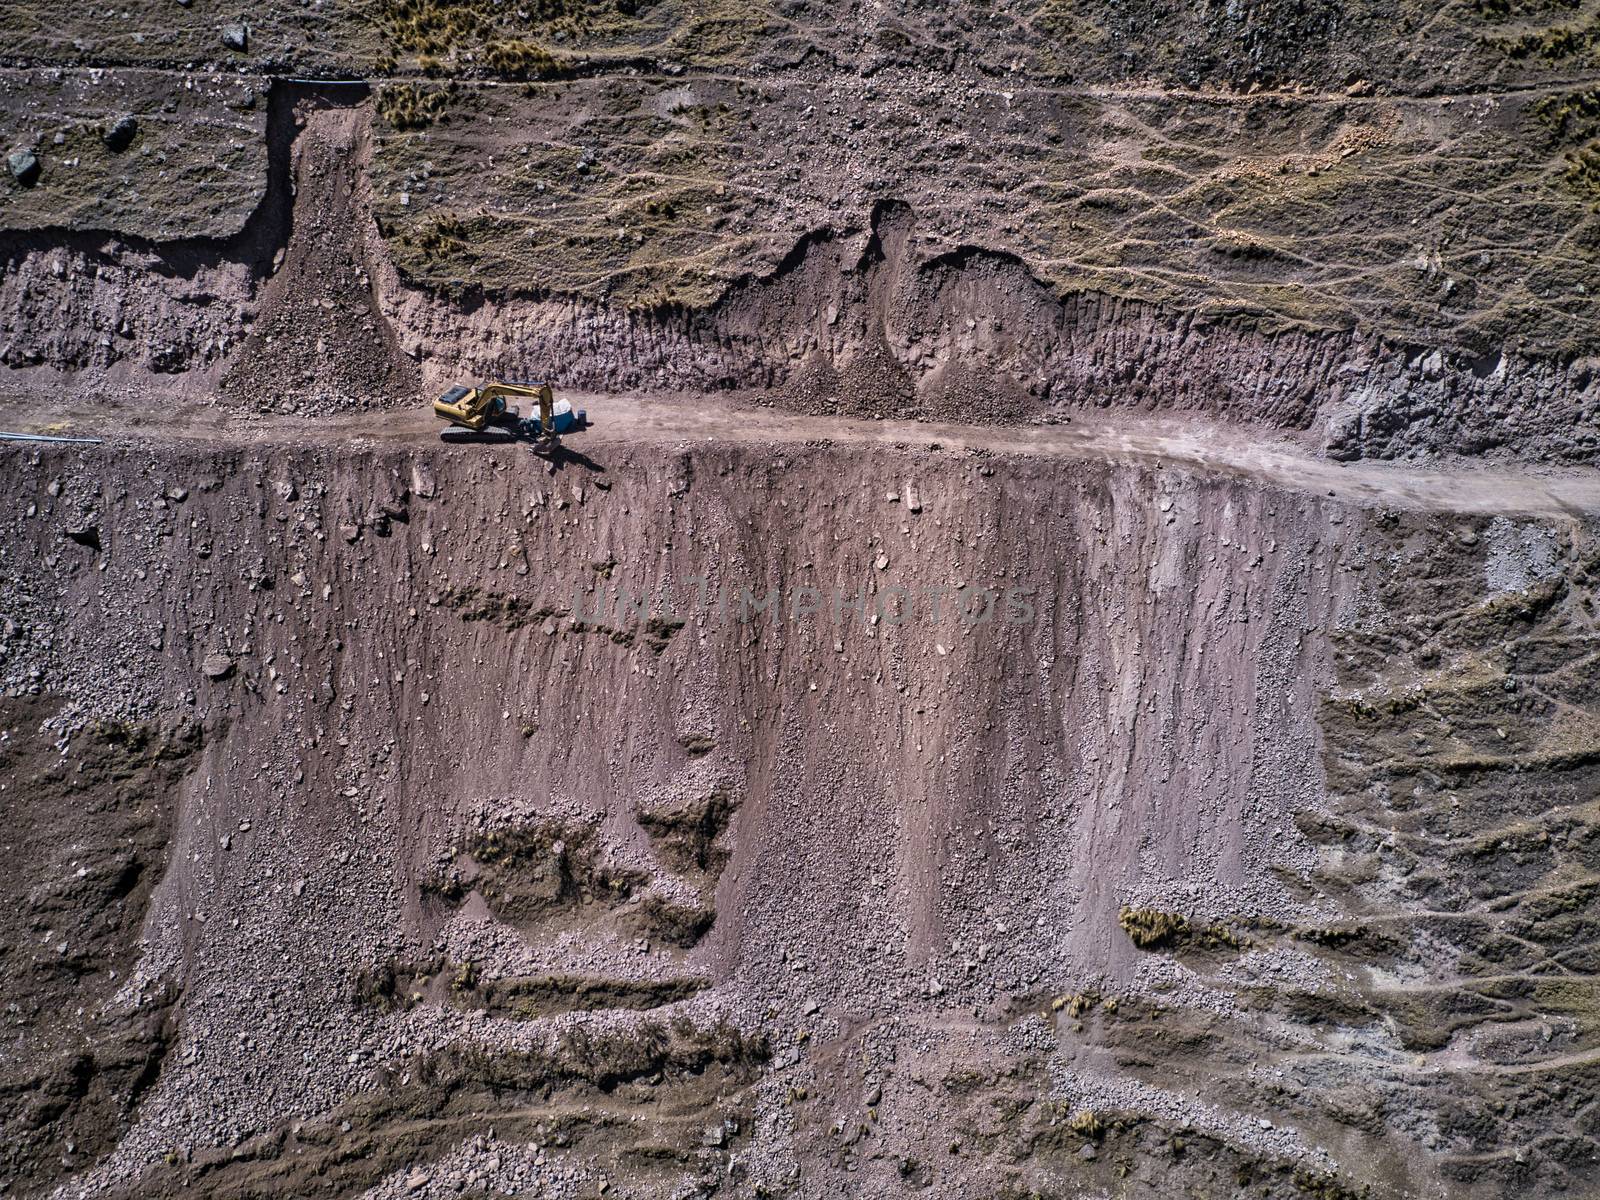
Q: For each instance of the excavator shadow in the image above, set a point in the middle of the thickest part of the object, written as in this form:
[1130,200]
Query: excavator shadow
[561,456]
[558,454]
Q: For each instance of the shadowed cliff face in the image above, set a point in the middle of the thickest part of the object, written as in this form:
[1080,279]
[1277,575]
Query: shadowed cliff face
[88,821]
[594,809]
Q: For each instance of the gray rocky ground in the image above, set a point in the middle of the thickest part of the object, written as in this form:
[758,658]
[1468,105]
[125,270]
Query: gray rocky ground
[1064,668]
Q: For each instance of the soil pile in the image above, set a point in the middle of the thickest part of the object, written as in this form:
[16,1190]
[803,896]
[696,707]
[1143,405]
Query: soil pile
[319,342]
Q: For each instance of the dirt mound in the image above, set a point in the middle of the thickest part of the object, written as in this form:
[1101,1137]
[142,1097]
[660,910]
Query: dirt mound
[319,341]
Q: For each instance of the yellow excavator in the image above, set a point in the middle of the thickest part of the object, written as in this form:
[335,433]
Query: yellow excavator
[484,407]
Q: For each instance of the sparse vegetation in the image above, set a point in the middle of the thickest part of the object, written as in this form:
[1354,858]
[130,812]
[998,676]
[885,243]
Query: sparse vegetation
[521,59]
[1152,929]
[1087,1125]
[439,235]
[681,925]
[1583,171]
[1568,117]
[1333,938]
[1555,43]
[409,106]
[403,985]
[504,39]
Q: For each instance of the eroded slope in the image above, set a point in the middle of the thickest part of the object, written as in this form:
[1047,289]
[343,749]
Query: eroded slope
[483,840]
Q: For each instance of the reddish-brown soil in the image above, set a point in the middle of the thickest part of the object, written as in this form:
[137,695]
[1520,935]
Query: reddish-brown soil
[480,722]
[1063,668]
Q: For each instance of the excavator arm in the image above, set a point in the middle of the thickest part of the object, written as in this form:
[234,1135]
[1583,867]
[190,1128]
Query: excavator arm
[542,394]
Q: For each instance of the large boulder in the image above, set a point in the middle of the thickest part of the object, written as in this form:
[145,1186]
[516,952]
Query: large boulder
[24,166]
[120,136]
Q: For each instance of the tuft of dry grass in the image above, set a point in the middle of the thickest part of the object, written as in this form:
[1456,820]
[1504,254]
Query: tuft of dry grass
[1152,929]
[408,106]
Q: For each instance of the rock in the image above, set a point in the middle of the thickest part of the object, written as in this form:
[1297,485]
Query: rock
[217,666]
[882,562]
[236,37]
[1088,1152]
[417,1180]
[24,166]
[120,136]
[422,482]
[85,535]
[873,1096]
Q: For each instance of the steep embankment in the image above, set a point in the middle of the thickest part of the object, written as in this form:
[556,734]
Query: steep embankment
[324,298]
[796,898]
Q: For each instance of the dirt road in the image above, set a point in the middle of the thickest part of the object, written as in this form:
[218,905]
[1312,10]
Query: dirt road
[1150,441]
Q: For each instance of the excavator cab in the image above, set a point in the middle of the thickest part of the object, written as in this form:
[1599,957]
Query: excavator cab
[477,408]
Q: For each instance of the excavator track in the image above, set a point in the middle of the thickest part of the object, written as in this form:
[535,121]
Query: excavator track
[485,437]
